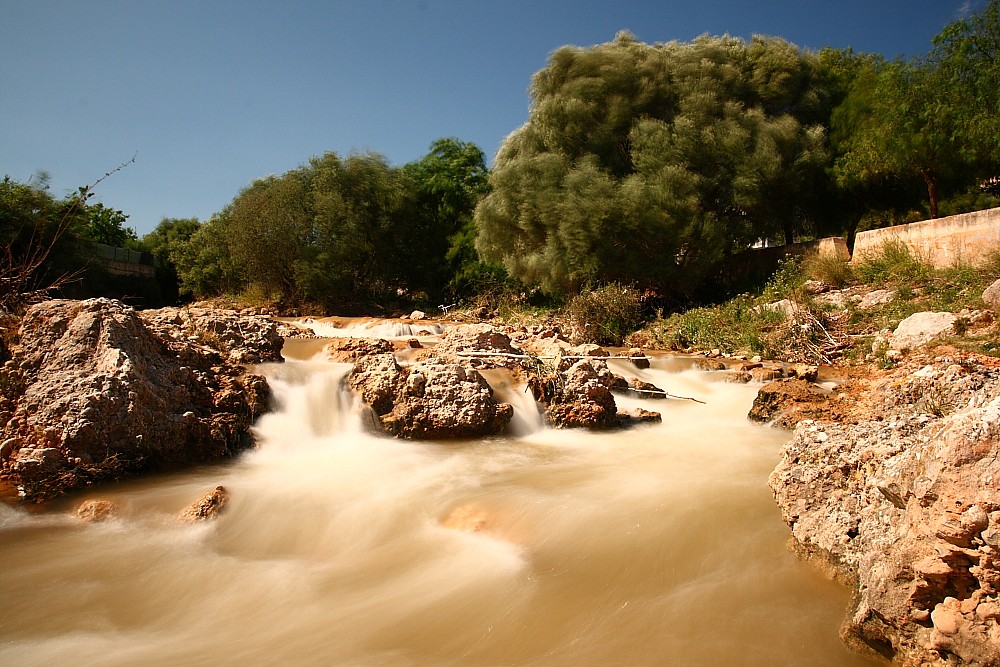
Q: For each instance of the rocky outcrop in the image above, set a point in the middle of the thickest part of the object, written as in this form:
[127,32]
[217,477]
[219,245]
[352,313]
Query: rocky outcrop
[94,392]
[472,346]
[905,505]
[427,400]
[239,337]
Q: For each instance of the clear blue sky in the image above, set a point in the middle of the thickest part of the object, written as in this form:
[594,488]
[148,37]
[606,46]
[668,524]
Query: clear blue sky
[210,95]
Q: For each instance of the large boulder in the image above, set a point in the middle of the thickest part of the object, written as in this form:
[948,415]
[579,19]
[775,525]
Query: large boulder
[991,297]
[240,337]
[428,400]
[478,346]
[905,507]
[921,328]
[92,393]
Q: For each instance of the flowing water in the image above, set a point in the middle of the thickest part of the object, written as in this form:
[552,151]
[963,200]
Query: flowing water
[659,545]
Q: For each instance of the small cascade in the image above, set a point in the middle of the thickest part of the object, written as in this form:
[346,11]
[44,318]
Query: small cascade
[387,329]
[528,416]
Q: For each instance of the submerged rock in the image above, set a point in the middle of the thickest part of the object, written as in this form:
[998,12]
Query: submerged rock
[428,400]
[207,507]
[94,393]
[96,511]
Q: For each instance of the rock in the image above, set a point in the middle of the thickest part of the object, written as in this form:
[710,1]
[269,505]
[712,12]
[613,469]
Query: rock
[418,315]
[762,374]
[921,328]
[639,416]
[807,372]
[738,377]
[478,339]
[584,398]
[875,298]
[786,402]
[96,511]
[207,507]
[240,337]
[349,350]
[645,390]
[708,365]
[638,358]
[428,400]
[904,505]
[101,394]
[991,297]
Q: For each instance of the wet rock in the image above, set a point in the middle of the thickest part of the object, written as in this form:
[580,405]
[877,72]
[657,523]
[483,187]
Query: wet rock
[639,416]
[904,505]
[786,402]
[709,365]
[207,507]
[428,400]
[638,358]
[349,350]
[96,511]
[583,398]
[100,394]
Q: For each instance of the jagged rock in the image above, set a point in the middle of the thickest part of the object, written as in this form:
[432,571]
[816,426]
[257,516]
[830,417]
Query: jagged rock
[207,507]
[638,358]
[239,337]
[478,339]
[96,511]
[93,394]
[349,350]
[708,365]
[428,400]
[991,297]
[584,399]
[921,328]
[786,402]
[807,372]
[765,374]
[904,505]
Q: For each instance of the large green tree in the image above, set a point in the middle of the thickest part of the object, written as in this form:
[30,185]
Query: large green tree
[649,163]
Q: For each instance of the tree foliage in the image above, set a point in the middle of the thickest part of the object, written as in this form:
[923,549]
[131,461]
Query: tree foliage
[648,163]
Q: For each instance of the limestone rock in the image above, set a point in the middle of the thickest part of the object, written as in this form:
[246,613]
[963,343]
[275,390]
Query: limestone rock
[584,399]
[428,400]
[96,511]
[921,328]
[876,298]
[207,507]
[98,394]
[991,297]
[240,337]
[905,506]
[478,339]
[786,402]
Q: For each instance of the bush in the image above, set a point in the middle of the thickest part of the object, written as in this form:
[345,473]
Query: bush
[828,269]
[604,315]
[892,262]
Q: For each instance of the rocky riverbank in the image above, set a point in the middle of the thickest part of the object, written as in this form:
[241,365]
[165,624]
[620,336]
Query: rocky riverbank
[94,390]
[891,481]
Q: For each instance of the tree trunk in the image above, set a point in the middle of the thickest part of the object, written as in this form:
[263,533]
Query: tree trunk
[931,180]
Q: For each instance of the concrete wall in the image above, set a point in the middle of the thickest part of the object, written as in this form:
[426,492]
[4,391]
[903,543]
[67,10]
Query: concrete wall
[965,238]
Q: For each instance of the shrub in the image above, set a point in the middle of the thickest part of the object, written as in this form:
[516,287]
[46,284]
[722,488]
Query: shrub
[828,269]
[604,315]
[893,261]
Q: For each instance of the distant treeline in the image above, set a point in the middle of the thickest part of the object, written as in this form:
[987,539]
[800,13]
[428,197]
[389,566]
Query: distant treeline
[643,164]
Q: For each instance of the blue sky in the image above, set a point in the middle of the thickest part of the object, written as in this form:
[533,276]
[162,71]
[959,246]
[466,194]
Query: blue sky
[210,95]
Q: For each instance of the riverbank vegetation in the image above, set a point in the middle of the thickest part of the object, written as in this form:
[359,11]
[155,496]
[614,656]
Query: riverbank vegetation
[641,169]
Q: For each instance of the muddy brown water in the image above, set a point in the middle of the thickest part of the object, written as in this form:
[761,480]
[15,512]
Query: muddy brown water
[659,545]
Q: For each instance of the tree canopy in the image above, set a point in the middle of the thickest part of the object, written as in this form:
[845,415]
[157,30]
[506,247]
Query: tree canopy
[648,163]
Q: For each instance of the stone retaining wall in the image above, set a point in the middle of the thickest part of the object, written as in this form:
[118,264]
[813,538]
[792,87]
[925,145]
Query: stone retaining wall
[965,238]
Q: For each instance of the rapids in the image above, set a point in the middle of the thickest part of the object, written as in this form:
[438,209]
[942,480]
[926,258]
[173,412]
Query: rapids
[658,545]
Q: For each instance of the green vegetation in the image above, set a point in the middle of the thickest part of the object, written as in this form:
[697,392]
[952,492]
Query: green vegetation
[641,169]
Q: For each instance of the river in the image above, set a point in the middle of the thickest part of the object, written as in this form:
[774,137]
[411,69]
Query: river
[658,545]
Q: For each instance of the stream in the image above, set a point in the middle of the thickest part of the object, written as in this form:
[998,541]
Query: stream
[657,545]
